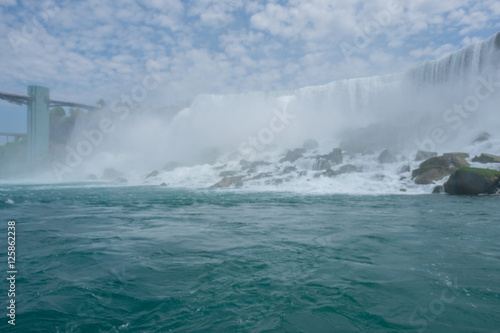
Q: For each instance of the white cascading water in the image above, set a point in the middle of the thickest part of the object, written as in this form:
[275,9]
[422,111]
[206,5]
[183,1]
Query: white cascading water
[440,105]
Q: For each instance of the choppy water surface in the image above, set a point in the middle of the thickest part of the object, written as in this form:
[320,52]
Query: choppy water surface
[152,259]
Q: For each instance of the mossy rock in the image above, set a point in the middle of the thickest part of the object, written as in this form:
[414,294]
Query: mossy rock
[473,181]
[462,155]
[446,162]
[486,158]
[428,175]
[435,168]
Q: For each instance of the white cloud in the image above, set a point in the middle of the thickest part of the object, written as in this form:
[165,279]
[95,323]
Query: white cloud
[433,51]
[93,49]
[215,12]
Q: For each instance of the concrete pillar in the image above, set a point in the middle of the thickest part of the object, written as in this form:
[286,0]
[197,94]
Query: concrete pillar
[38,122]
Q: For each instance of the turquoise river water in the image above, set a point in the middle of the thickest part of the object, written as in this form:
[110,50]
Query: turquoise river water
[97,258]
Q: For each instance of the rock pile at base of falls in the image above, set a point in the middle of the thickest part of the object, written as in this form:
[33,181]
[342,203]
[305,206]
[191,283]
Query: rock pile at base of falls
[436,168]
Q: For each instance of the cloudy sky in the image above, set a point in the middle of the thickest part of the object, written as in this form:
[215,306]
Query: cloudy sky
[87,50]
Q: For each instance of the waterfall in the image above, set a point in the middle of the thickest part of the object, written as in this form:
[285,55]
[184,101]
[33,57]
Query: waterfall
[401,105]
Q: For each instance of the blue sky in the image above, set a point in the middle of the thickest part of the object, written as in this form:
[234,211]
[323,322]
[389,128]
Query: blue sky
[87,50]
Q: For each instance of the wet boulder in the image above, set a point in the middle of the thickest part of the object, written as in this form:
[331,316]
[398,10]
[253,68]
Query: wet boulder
[293,155]
[229,181]
[486,158]
[438,189]
[473,181]
[428,175]
[335,157]
[387,157]
[444,161]
[436,168]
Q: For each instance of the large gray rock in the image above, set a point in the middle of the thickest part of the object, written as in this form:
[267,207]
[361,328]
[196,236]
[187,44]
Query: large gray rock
[436,168]
[473,181]
[424,155]
[387,157]
[335,157]
[487,158]
[293,155]
[424,176]
[228,181]
[445,162]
